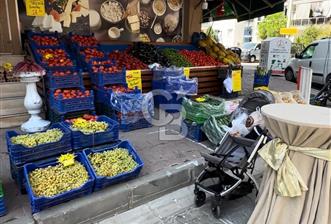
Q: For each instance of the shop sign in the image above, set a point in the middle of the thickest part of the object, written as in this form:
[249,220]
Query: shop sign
[236,80]
[35,7]
[133,79]
[187,72]
[288,31]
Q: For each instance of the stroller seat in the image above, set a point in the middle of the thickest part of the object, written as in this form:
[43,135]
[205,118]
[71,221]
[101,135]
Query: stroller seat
[233,153]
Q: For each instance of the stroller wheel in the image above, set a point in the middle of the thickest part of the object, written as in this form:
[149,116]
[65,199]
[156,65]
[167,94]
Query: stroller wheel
[216,208]
[200,198]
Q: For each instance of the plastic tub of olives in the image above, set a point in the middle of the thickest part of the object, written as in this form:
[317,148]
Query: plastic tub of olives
[112,11]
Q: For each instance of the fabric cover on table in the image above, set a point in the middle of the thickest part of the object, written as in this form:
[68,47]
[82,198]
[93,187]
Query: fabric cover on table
[313,206]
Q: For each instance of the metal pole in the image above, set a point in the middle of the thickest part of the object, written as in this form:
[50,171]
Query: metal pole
[289,12]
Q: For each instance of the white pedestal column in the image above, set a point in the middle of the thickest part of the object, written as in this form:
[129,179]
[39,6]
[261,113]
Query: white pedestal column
[33,104]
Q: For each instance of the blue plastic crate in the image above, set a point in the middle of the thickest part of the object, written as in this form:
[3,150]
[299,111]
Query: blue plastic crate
[183,86]
[132,121]
[102,181]
[41,203]
[74,45]
[70,105]
[3,209]
[102,79]
[102,95]
[80,140]
[55,116]
[31,34]
[17,174]
[84,63]
[193,131]
[20,154]
[164,73]
[67,81]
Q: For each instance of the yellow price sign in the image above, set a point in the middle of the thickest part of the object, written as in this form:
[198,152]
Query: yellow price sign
[187,72]
[133,79]
[236,80]
[289,31]
[67,159]
[35,7]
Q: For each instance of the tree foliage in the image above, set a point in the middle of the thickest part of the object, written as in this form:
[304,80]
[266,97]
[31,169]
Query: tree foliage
[313,33]
[270,26]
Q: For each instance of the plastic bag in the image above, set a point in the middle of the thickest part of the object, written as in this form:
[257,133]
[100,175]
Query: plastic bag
[132,102]
[202,108]
[216,127]
[228,84]
[182,86]
[239,124]
[162,73]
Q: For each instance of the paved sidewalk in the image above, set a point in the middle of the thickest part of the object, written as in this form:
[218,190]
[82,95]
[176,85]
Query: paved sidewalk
[178,208]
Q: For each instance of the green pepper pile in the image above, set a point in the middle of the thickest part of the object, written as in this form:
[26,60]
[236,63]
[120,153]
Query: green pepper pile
[32,140]
[113,162]
[53,180]
[175,58]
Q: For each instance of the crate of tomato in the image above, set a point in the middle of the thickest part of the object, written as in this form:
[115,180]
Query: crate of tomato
[82,41]
[64,78]
[91,130]
[69,100]
[53,58]
[90,55]
[44,40]
[104,94]
[102,75]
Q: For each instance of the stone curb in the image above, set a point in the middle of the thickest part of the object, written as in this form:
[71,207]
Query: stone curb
[122,197]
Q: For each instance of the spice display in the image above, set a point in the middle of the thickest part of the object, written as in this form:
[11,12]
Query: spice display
[88,124]
[175,5]
[149,54]
[144,19]
[32,140]
[199,58]
[175,58]
[157,28]
[113,162]
[71,93]
[171,22]
[54,180]
[127,61]
[112,11]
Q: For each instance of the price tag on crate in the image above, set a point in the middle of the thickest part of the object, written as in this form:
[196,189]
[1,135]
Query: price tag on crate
[236,80]
[67,159]
[133,79]
[35,7]
[187,72]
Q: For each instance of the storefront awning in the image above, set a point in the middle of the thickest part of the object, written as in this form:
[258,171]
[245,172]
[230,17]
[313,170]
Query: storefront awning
[241,9]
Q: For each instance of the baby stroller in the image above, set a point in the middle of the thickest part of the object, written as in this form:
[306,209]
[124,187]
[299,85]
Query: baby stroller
[232,163]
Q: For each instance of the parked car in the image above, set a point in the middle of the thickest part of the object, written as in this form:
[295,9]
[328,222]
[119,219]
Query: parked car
[317,56]
[236,50]
[251,52]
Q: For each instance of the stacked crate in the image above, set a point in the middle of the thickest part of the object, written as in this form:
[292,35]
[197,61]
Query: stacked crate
[63,82]
[170,86]
[3,209]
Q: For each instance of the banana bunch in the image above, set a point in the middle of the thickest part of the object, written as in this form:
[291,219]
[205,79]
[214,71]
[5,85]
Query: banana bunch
[53,180]
[88,127]
[32,140]
[113,162]
[218,51]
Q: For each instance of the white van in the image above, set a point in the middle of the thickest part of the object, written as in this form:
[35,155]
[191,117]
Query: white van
[316,56]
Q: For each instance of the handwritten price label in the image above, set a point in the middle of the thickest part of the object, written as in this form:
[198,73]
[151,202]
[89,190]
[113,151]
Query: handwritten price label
[133,79]
[236,80]
[187,72]
[35,7]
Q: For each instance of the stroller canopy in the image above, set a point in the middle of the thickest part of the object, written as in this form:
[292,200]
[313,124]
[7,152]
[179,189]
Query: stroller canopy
[256,99]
